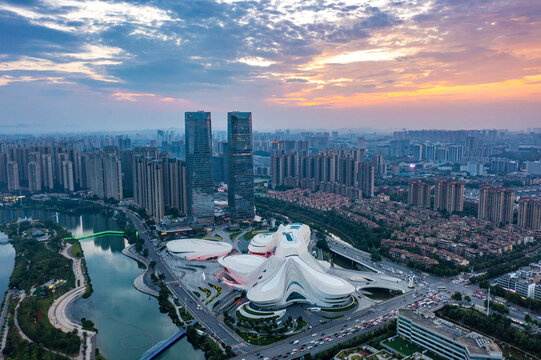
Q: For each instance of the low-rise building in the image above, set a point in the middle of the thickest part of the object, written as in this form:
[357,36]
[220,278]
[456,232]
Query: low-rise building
[444,338]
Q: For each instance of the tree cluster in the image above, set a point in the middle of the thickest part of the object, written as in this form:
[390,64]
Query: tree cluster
[211,349]
[495,325]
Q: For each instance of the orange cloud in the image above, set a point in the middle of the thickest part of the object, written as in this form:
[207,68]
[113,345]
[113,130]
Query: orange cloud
[526,87]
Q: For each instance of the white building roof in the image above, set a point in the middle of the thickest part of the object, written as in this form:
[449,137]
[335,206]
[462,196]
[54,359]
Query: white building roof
[289,275]
[198,249]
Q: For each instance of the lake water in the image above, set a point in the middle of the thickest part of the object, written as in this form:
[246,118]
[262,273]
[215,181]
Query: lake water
[129,322]
[7,259]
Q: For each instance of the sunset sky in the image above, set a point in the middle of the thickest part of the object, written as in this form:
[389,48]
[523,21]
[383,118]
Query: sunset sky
[92,65]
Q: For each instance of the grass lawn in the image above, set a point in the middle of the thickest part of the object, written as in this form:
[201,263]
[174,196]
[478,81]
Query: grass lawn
[249,235]
[256,313]
[403,346]
[76,250]
[32,316]
[332,317]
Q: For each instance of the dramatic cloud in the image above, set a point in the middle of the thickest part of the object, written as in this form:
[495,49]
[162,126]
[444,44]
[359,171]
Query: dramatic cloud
[293,63]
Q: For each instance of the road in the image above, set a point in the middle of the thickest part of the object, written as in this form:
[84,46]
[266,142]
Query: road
[516,312]
[424,282]
[328,328]
[192,303]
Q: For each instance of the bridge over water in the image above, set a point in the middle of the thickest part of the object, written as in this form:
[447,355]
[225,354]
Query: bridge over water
[161,346]
[98,234]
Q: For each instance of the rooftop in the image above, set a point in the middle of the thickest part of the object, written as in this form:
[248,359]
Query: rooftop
[475,342]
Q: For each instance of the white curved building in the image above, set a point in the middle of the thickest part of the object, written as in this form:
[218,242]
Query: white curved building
[198,249]
[289,275]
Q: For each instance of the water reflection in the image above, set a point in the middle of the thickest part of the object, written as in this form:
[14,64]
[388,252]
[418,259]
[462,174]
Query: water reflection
[128,321]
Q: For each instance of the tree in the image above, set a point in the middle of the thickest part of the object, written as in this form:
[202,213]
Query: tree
[528,318]
[467,298]
[374,255]
[457,296]
[484,284]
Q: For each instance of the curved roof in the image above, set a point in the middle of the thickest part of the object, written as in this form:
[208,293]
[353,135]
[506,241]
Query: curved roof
[290,274]
[241,263]
[287,240]
[263,243]
[295,275]
[198,249]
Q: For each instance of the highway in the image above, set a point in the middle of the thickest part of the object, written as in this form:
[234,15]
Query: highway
[186,297]
[516,312]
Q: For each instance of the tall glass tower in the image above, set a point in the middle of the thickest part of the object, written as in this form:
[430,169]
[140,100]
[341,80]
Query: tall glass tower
[199,184]
[240,164]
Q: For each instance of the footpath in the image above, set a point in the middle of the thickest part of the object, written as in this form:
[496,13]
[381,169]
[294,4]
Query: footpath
[139,281]
[59,314]
[3,324]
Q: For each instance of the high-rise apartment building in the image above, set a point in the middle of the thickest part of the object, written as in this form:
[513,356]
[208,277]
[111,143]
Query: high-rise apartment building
[103,174]
[112,175]
[67,176]
[379,164]
[366,179]
[174,184]
[47,172]
[34,176]
[329,171]
[13,176]
[148,186]
[240,160]
[455,153]
[418,152]
[449,195]
[199,184]
[419,193]
[529,213]
[496,204]
[429,152]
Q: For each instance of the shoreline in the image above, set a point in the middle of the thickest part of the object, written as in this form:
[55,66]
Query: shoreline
[59,313]
[139,281]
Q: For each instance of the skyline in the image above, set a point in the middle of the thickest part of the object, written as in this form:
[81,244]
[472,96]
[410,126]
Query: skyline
[92,65]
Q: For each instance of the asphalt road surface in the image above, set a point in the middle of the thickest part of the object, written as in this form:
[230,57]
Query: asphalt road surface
[201,313]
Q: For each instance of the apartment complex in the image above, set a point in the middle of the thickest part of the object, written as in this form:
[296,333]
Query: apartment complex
[339,172]
[529,213]
[419,193]
[496,204]
[449,195]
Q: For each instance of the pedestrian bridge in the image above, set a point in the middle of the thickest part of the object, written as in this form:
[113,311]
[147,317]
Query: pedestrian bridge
[161,346]
[98,234]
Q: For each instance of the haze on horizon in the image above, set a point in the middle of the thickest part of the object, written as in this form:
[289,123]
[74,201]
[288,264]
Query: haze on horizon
[94,65]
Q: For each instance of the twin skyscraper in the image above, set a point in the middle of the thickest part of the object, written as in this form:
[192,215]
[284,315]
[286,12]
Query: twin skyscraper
[199,181]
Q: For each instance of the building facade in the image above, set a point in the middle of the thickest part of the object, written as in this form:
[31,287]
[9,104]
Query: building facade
[445,338]
[496,204]
[419,194]
[449,195]
[240,164]
[199,183]
[529,213]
